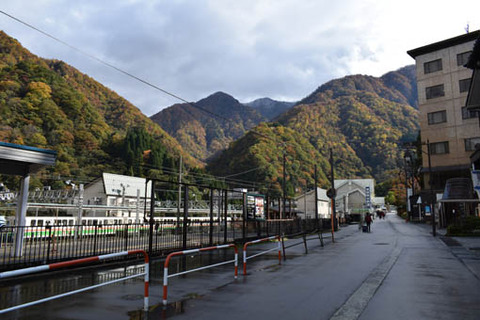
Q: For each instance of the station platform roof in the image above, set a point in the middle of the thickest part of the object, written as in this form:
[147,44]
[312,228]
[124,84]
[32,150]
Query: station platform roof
[20,160]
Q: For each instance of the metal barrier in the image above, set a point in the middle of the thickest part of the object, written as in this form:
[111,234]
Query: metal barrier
[305,238]
[179,253]
[9,274]
[263,252]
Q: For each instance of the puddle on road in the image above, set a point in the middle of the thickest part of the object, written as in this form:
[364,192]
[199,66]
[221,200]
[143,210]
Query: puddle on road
[159,311]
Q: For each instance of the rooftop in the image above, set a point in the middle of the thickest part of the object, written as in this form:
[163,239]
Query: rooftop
[444,44]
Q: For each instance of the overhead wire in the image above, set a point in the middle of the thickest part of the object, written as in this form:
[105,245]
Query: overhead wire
[192,104]
[101,61]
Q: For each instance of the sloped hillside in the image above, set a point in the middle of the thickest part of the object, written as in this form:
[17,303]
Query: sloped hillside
[202,133]
[49,104]
[363,119]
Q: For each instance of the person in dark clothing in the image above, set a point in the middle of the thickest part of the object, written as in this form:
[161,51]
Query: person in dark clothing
[368,220]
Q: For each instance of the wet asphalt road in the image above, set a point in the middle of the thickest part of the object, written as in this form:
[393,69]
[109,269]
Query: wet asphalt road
[398,271]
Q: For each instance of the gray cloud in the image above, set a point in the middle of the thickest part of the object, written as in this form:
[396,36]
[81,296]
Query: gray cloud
[283,49]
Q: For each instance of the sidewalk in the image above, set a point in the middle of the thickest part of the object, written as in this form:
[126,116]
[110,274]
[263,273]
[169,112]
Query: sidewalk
[466,249]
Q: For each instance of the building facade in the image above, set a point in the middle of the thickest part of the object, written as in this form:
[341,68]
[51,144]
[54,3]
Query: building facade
[354,196]
[306,204]
[114,191]
[445,123]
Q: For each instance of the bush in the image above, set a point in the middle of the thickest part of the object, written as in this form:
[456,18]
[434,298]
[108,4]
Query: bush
[469,226]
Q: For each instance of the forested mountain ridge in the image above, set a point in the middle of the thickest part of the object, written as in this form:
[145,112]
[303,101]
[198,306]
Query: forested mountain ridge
[270,108]
[363,119]
[49,104]
[202,133]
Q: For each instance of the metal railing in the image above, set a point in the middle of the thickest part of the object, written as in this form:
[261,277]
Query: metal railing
[185,252]
[278,247]
[54,266]
[48,244]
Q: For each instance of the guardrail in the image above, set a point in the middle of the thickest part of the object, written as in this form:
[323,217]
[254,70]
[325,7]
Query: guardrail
[263,252]
[305,238]
[184,252]
[58,265]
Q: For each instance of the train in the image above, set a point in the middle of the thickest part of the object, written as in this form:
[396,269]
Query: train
[65,226]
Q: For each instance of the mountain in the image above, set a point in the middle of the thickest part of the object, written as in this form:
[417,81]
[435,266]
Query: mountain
[49,104]
[269,108]
[206,127]
[363,119]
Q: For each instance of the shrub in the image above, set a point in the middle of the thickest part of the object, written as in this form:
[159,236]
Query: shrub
[467,227]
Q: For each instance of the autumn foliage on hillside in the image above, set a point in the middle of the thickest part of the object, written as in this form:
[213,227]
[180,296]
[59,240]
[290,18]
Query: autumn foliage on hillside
[48,104]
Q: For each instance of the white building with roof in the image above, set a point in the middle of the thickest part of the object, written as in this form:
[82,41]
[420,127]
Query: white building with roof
[115,190]
[354,196]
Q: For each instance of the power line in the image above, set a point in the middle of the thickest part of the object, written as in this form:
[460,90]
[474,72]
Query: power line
[192,104]
[113,66]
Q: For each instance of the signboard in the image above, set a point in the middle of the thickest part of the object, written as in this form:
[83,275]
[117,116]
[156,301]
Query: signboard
[368,199]
[255,207]
[428,211]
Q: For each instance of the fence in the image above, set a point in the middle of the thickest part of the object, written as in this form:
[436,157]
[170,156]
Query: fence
[54,266]
[49,244]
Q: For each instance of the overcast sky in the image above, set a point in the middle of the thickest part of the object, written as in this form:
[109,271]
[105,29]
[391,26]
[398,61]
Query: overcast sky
[282,49]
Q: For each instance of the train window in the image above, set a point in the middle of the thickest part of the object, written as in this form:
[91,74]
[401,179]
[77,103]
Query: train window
[57,222]
[105,222]
[84,223]
[32,223]
[95,222]
[70,222]
[129,220]
[64,222]
[40,223]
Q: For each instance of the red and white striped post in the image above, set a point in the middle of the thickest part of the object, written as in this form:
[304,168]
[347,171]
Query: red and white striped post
[185,252]
[58,265]
[279,247]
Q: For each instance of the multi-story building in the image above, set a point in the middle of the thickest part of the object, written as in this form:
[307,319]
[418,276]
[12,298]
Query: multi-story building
[451,130]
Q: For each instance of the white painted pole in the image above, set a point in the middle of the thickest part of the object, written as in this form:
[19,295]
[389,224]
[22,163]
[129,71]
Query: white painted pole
[22,202]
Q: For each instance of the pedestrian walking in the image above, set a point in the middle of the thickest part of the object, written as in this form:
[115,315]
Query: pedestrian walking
[368,220]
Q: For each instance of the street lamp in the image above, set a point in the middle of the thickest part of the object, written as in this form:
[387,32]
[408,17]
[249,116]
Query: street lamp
[408,159]
[430,179]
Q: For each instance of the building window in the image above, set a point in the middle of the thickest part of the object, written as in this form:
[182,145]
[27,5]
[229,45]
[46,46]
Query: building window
[468,114]
[464,85]
[462,58]
[470,143]
[439,148]
[432,66]
[435,91]
[437,117]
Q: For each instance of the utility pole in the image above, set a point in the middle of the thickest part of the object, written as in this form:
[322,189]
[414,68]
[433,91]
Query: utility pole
[179,191]
[284,186]
[333,193]
[316,198]
[432,195]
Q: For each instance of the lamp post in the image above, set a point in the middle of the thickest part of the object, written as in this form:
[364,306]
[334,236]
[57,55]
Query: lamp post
[409,164]
[284,187]
[407,208]
[432,195]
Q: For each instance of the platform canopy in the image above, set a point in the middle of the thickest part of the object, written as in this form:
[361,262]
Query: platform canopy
[21,160]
